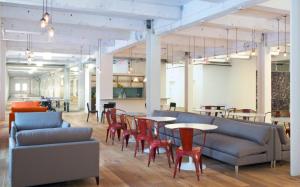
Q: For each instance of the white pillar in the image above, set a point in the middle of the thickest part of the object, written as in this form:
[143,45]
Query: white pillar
[81,87]
[106,76]
[264,91]
[295,88]
[66,84]
[163,80]
[98,76]
[2,79]
[188,87]
[87,87]
[152,72]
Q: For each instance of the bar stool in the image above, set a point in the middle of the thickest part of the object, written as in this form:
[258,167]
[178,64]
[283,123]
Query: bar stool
[172,105]
[92,112]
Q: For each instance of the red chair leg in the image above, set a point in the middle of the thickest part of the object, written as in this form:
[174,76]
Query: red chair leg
[107,131]
[119,134]
[123,139]
[196,162]
[175,169]
[136,147]
[143,145]
[180,160]
[168,156]
[151,152]
[171,151]
[201,164]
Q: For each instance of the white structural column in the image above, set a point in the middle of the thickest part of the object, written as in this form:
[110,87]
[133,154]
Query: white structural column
[153,63]
[98,76]
[81,87]
[188,86]
[66,84]
[2,79]
[87,86]
[264,67]
[295,87]
[106,76]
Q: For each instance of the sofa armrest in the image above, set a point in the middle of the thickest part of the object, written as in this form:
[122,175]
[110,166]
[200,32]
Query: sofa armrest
[13,130]
[65,124]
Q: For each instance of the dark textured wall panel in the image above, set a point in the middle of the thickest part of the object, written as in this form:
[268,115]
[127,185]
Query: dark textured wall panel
[280,91]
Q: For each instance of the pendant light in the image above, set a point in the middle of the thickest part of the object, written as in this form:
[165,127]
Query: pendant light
[43,20]
[46,14]
[236,40]
[285,44]
[227,45]
[278,45]
[204,49]
[215,49]
[28,52]
[253,53]
[194,50]
[189,53]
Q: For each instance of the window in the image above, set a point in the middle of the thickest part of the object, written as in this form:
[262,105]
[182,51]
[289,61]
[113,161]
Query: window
[17,87]
[24,87]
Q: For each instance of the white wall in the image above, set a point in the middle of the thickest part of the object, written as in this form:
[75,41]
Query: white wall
[20,80]
[51,85]
[175,85]
[232,86]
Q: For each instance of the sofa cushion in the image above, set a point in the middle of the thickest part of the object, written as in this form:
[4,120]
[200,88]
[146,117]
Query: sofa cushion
[52,136]
[165,113]
[282,134]
[245,130]
[184,117]
[38,120]
[232,145]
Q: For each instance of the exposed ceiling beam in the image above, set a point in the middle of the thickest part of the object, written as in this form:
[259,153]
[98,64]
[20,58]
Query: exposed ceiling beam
[192,13]
[143,10]
[76,18]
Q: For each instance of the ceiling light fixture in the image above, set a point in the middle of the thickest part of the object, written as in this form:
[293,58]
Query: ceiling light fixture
[236,40]
[285,44]
[28,52]
[253,52]
[227,45]
[278,35]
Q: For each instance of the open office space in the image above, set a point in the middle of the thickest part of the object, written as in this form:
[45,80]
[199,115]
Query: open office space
[149,93]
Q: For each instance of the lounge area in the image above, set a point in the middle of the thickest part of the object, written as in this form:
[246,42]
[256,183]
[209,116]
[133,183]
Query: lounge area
[149,93]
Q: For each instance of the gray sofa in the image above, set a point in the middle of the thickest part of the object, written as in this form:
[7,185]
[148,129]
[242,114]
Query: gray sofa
[235,142]
[42,152]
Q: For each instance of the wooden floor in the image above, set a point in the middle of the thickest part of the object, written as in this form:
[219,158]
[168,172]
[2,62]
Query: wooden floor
[119,168]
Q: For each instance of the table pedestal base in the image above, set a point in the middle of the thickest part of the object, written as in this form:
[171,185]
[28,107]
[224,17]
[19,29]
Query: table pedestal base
[161,150]
[190,166]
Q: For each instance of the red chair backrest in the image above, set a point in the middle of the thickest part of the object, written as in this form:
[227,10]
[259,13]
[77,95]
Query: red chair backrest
[144,128]
[186,136]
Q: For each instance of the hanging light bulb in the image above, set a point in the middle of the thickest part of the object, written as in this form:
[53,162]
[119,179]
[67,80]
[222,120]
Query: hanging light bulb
[51,32]
[43,23]
[253,52]
[285,54]
[47,17]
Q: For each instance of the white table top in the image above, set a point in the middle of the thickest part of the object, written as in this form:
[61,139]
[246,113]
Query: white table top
[281,119]
[200,126]
[159,119]
[133,114]
[207,110]
[241,114]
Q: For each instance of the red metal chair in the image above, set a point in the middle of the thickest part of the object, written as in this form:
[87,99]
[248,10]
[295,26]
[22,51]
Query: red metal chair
[156,144]
[144,134]
[127,131]
[113,125]
[186,135]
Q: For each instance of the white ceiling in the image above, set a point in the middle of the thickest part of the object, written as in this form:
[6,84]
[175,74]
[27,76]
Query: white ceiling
[79,25]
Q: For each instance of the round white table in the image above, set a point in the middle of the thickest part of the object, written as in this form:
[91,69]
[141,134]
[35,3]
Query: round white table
[200,126]
[158,120]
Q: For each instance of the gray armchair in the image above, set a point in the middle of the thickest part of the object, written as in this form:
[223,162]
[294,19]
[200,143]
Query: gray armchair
[51,155]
